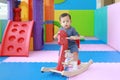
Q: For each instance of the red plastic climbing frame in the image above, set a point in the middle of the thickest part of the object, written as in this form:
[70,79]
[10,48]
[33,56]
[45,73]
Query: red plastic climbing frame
[17,14]
[16,39]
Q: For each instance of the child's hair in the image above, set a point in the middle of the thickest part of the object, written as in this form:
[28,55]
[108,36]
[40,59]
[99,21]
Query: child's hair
[63,15]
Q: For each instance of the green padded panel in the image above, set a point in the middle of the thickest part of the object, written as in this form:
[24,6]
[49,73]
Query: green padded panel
[58,1]
[83,21]
[44,32]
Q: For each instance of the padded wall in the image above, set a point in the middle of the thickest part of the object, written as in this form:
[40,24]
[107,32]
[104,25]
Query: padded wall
[76,5]
[83,21]
[58,1]
[114,26]
[101,24]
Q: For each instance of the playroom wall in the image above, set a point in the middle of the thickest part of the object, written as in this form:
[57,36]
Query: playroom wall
[107,25]
[84,23]
[3,24]
[76,5]
[3,18]
[82,16]
[114,26]
[101,24]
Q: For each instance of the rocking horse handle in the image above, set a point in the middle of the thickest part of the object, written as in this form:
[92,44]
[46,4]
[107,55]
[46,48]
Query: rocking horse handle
[73,38]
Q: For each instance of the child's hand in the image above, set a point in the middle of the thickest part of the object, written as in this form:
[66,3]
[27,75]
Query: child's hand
[55,36]
[74,37]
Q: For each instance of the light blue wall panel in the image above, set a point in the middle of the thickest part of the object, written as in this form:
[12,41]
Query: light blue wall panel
[101,24]
[3,26]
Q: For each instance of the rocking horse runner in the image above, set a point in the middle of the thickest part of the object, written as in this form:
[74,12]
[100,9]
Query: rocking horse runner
[62,40]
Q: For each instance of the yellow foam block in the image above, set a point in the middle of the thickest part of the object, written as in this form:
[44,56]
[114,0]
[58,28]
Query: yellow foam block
[31,44]
[24,10]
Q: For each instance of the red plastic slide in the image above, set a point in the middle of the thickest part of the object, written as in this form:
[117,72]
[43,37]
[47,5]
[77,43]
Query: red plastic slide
[16,39]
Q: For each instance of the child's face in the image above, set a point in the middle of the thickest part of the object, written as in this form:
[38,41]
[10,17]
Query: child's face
[65,22]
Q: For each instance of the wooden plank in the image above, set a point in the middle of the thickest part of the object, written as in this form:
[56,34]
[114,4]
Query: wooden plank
[82,68]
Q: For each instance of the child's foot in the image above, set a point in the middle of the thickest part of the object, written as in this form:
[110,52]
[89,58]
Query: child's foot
[75,66]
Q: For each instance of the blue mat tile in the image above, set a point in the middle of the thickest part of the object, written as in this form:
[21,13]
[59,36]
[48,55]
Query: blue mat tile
[92,42]
[27,71]
[57,47]
[2,58]
[51,47]
[99,56]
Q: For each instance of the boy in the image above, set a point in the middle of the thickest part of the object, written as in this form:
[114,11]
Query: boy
[65,21]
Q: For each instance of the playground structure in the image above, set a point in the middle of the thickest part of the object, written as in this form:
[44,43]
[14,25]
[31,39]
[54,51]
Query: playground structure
[82,28]
[63,41]
[35,8]
[30,11]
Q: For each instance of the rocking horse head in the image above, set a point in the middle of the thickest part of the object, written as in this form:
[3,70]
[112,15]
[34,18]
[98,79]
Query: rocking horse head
[62,37]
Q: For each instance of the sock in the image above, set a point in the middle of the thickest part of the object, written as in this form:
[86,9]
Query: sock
[75,66]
